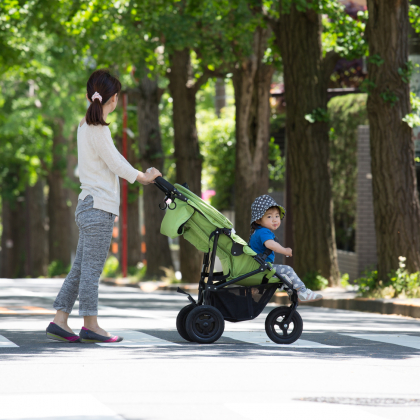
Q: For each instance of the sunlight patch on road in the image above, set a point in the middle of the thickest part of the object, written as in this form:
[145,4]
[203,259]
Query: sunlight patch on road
[4,342]
[137,339]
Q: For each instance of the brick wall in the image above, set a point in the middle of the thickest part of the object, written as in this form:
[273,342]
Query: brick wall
[347,263]
[365,222]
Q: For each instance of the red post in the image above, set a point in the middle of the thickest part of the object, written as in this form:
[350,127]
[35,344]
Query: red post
[124,191]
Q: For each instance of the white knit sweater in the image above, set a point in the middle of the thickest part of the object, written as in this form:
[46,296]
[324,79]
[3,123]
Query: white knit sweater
[100,164]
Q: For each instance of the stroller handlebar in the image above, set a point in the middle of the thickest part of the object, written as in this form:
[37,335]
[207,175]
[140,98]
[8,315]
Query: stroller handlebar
[164,185]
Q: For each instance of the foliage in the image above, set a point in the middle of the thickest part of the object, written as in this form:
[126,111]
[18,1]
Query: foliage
[314,281]
[136,273]
[317,115]
[345,280]
[376,59]
[57,269]
[167,134]
[38,101]
[414,16]
[367,86]
[342,33]
[406,72]
[347,113]
[277,162]
[413,118]
[368,282]
[399,283]
[111,267]
[217,143]
[389,96]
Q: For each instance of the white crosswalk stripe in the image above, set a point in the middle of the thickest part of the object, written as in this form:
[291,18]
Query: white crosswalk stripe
[140,339]
[50,406]
[398,339]
[137,339]
[260,338]
[4,342]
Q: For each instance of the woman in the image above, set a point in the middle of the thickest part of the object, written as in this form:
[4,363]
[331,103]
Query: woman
[100,164]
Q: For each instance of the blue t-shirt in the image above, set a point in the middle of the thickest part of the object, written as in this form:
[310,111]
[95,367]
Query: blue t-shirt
[257,240]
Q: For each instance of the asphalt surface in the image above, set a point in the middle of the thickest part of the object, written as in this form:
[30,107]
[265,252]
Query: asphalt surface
[346,364]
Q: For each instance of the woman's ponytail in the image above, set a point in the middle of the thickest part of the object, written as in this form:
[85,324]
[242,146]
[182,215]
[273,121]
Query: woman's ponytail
[101,86]
[95,113]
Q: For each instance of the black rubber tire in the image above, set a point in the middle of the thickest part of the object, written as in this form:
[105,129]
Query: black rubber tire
[181,320]
[283,336]
[205,324]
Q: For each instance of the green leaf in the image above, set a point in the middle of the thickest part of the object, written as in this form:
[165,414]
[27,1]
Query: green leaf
[367,86]
[318,115]
[376,59]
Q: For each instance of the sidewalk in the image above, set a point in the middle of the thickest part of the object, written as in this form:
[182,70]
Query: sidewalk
[334,298]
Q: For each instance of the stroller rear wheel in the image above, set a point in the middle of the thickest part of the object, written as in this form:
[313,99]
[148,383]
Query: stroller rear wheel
[205,324]
[181,319]
[278,331]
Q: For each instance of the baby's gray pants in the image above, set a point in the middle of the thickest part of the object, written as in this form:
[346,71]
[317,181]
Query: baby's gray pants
[296,281]
[95,233]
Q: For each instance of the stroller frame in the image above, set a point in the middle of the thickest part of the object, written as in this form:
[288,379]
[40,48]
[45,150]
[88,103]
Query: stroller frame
[217,281]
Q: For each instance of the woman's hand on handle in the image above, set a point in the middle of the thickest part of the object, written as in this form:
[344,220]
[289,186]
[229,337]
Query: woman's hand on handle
[148,177]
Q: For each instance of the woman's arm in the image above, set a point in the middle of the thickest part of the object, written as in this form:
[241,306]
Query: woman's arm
[104,146]
[276,247]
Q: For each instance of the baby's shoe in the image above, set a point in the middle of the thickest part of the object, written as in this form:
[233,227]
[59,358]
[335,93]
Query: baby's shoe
[307,295]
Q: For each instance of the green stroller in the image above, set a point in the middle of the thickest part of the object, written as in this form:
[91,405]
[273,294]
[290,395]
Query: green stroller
[245,286]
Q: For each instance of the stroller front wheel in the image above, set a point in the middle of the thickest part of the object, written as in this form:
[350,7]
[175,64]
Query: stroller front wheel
[278,331]
[181,320]
[205,324]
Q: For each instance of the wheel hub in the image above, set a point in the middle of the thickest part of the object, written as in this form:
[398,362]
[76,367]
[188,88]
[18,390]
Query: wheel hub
[205,324]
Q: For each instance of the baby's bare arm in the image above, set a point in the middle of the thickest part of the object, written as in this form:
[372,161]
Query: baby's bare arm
[276,247]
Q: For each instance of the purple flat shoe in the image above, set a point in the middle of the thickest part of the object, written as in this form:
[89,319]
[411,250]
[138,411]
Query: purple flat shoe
[88,336]
[56,333]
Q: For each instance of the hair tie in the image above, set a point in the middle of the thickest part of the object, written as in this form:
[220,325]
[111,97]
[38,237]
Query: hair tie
[96,95]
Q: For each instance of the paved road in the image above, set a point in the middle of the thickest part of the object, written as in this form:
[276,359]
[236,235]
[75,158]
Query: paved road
[346,365]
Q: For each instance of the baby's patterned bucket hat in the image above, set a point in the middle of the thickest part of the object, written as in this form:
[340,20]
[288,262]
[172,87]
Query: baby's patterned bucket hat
[261,204]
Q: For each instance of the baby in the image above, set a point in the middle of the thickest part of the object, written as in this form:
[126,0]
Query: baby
[266,217]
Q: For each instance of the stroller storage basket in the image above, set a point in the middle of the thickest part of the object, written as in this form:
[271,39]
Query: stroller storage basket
[241,303]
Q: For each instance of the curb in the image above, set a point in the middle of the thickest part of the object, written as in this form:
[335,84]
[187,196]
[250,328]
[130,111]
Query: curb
[380,306]
[359,304]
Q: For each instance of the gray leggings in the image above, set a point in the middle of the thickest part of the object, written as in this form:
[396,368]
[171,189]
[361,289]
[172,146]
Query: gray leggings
[95,232]
[289,272]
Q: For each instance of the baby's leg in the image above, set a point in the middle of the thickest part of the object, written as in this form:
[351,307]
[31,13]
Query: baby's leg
[290,273]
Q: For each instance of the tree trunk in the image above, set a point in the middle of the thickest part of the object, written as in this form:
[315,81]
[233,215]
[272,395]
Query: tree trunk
[59,235]
[36,262]
[220,100]
[251,81]
[24,239]
[187,152]
[133,210]
[395,199]
[133,231]
[73,191]
[12,246]
[158,253]
[306,76]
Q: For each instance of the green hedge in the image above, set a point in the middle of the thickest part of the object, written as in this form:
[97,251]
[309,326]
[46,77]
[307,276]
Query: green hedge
[346,114]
